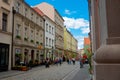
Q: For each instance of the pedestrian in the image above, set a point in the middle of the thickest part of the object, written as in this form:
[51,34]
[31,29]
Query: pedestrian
[47,63]
[73,60]
[67,60]
[70,60]
[60,61]
[81,63]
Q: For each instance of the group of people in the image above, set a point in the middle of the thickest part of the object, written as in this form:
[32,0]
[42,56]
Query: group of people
[59,61]
[56,61]
[72,60]
[83,61]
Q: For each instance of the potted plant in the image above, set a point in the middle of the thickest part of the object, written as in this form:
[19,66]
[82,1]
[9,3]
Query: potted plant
[37,42]
[24,68]
[18,36]
[32,41]
[41,43]
[26,39]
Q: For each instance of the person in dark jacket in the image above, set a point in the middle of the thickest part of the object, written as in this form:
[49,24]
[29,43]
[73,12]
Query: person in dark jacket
[47,63]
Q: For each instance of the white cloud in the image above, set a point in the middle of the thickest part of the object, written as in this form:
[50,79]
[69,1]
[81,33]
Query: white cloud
[75,23]
[80,40]
[68,12]
[79,23]
[85,30]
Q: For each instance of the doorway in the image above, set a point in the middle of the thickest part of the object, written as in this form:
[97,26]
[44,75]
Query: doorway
[4,57]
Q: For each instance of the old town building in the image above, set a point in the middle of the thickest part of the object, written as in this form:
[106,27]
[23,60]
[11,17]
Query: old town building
[49,38]
[5,34]
[53,14]
[28,39]
[30,34]
[70,44]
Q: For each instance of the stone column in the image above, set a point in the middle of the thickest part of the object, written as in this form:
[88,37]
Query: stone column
[107,63]
[107,39]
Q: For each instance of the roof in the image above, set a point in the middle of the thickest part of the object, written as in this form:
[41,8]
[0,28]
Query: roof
[86,41]
[38,11]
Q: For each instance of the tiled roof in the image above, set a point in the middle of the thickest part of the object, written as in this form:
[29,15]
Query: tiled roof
[38,11]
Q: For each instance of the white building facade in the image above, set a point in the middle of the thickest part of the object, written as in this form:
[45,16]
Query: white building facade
[49,37]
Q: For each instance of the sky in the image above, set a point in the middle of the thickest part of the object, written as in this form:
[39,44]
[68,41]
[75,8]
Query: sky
[74,12]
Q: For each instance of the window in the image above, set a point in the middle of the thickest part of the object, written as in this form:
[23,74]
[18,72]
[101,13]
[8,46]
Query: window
[37,55]
[25,12]
[41,35]
[4,22]
[32,34]
[49,42]
[46,27]
[36,19]
[31,16]
[49,29]
[18,29]
[41,21]
[5,1]
[18,56]
[17,7]
[52,43]
[52,30]
[46,41]
[26,30]
[37,35]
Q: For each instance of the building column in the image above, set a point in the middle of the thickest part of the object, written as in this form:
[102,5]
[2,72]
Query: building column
[107,62]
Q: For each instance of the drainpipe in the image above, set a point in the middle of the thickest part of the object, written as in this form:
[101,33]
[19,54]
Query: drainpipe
[44,54]
[13,12]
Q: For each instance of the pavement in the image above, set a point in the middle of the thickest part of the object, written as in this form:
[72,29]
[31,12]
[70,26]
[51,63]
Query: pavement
[15,72]
[55,72]
[78,74]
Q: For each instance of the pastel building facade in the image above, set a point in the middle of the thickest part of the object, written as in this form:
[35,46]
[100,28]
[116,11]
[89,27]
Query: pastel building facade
[28,38]
[70,44]
[87,45]
[5,34]
[49,38]
[53,14]
[74,45]
[29,35]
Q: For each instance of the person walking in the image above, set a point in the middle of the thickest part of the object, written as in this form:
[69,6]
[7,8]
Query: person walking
[81,63]
[60,61]
[73,60]
[47,63]
[67,60]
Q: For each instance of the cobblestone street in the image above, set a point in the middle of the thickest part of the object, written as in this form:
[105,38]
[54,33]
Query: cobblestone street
[53,73]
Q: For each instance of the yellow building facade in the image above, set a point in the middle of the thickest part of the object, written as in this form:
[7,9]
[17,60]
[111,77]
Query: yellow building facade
[70,44]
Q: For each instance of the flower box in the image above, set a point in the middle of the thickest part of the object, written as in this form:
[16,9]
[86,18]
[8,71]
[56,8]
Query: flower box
[24,68]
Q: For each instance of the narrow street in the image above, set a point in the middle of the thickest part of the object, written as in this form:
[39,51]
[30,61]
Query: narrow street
[55,72]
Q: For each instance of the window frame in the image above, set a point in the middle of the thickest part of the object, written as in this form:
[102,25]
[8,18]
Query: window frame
[4,21]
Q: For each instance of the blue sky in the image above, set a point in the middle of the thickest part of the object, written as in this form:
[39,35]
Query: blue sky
[75,14]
